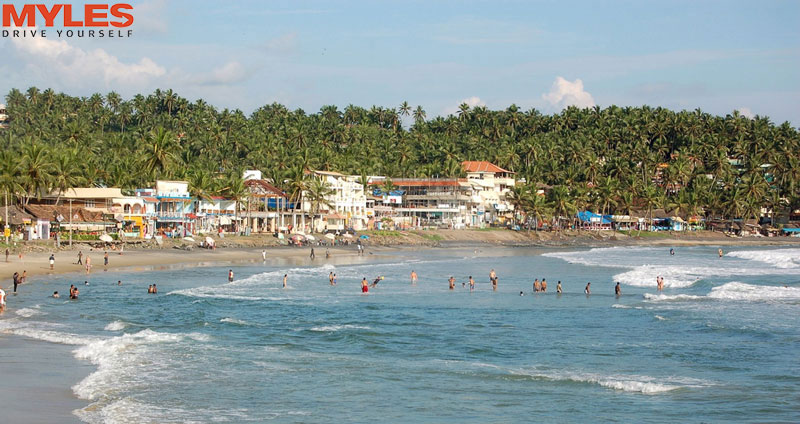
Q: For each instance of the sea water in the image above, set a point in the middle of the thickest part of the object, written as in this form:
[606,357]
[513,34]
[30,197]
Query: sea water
[721,343]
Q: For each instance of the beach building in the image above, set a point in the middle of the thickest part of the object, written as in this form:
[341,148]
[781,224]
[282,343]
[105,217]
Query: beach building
[347,204]
[111,210]
[48,220]
[3,117]
[215,214]
[491,183]
[174,208]
[265,204]
[428,202]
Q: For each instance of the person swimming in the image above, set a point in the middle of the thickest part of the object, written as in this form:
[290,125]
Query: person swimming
[672,252]
[376,281]
[521,293]
[56,295]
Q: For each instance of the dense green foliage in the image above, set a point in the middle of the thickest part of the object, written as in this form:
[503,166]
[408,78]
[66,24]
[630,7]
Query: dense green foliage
[605,159]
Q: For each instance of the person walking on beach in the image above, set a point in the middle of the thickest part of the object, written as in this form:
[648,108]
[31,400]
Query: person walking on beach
[285,277]
[88,264]
[543,286]
[52,261]
[617,290]
[264,255]
[80,257]
[558,287]
[452,282]
[312,256]
[364,285]
[413,277]
[105,259]
[7,253]
[588,289]
[230,275]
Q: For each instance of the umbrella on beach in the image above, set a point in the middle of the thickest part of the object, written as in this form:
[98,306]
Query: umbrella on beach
[106,238]
[210,241]
[310,237]
[189,239]
[330,236]
[348,236]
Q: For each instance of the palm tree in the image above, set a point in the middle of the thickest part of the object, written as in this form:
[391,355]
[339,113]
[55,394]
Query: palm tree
[36,170]
[159,151]
[318,193]
[66,173]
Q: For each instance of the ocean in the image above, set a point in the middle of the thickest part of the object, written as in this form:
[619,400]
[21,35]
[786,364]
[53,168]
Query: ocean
[721,343]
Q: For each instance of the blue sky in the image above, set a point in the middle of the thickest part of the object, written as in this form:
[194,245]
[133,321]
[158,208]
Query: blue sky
[714,55]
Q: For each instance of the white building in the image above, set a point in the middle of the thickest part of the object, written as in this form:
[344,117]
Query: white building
[491,183]
[3,117]
[348,203]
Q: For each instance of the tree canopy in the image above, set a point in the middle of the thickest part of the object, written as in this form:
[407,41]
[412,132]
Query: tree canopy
[608,159]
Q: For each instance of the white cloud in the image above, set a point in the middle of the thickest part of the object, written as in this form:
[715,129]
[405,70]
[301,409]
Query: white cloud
[564,93]
[151,16]
[229,73]
[57,60]
[472,102]
[746,112]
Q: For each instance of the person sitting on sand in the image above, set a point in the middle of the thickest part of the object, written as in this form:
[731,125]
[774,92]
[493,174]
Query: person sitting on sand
[56,295]
[588,289]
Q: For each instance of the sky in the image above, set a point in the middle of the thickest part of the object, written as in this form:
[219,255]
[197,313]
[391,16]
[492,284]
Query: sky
[718,56]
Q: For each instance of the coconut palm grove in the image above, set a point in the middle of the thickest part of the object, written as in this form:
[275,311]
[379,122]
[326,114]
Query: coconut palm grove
[610,160]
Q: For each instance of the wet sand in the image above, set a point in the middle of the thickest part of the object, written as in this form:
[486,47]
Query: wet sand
[36,381]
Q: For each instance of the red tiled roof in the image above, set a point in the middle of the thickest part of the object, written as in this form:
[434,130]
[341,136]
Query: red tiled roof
[482,166]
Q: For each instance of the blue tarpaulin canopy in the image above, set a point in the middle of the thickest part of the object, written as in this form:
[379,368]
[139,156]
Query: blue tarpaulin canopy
[588,216]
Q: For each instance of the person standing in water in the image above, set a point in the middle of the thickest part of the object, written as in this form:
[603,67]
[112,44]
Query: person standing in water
[264,255]
[413,277]
[3,300]
[285,277]
[719,251]
[16,281]
[493,279]
[312,256]
[334,279]
[558,287]
[536,286]
[588,289]
[617,290]
[471,284]
[452,282]
[543,287]
[330,278]
[660,283]
[364,285]
[230,275]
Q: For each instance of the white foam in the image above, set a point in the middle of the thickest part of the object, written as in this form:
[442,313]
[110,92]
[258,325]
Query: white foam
[618,306]
[671,298]
[755,293]
[627,383]
[660,318]
[28,312]
[234,321]
[780,258]
[330,328]
[116,326]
